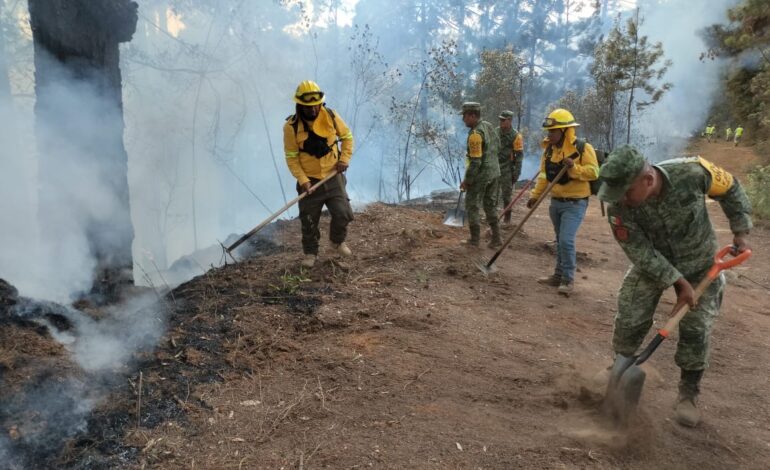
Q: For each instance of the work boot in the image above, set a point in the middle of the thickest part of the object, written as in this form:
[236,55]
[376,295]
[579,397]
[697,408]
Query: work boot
[566,287]
[496,241]
[475,239]
[686,410]
[507,218]
[309,260]
[553,280]
[342,249]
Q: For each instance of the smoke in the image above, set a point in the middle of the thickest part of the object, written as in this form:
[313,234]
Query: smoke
[204,106]
[65,188]
[665,128]
[54,404]
[64,201]
[110,343]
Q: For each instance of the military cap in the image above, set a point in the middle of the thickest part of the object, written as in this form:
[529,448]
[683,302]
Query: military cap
[470,106]
[505,114]
[623,165]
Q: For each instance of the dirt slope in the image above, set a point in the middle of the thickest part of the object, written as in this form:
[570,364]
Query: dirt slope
[407,357]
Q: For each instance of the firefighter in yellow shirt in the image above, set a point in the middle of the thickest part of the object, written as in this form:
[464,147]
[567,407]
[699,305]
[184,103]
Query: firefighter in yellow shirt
[569,196]
[310,142]
[738,135]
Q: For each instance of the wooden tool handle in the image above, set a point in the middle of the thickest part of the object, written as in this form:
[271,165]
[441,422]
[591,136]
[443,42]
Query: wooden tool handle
[279,212]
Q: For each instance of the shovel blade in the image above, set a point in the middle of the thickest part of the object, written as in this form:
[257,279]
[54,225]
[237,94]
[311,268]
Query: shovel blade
[484,267]
[455,218]
[623,390]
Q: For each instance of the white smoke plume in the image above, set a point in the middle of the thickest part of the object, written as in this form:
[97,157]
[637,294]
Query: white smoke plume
[665,128]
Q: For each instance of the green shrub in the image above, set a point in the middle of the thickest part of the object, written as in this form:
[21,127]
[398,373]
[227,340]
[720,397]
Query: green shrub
[758,190]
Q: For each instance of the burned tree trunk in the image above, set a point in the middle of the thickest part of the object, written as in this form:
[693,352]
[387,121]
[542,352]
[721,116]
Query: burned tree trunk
[79,127]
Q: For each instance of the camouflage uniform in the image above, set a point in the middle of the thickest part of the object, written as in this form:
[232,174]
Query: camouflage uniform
[509,157]
[667,238]
[482,175]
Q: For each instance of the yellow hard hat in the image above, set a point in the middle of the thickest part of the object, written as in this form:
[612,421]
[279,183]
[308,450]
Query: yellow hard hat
[308,93]
[559,119]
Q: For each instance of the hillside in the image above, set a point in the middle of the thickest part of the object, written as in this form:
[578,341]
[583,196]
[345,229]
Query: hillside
[407,356]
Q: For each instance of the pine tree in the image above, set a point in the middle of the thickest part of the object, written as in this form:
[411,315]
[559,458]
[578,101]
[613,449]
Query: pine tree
[627,70]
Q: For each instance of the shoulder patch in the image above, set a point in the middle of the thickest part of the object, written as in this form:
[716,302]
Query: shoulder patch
[475,144]
[721,181]
[619,230]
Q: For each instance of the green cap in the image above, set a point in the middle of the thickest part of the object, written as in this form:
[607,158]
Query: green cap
[623,165]
[471,106]
[506,114]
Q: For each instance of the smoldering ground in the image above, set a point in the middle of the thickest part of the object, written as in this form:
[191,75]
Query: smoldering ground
[50,408]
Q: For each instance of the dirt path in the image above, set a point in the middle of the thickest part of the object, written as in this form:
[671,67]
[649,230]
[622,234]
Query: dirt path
[407,357]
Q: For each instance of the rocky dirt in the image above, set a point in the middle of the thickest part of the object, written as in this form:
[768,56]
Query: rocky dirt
[406,356]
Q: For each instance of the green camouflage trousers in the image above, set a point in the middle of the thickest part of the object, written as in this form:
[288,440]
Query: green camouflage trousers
[333,195]
[506,185]
[516,170]
[482,194]
[637,301]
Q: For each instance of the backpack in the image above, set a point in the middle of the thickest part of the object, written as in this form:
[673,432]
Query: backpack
[601,158]
[313,137]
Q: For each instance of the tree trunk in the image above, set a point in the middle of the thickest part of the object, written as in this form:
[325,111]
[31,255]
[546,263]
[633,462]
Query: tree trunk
[5,85]
[83,164]
[530,83]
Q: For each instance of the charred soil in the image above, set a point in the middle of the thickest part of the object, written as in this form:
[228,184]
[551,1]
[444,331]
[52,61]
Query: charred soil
[406,356]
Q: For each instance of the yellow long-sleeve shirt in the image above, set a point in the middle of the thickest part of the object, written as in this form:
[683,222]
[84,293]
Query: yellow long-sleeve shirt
[586,169]
[304,166]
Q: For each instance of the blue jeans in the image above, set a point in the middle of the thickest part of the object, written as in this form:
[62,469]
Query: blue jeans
[566,216]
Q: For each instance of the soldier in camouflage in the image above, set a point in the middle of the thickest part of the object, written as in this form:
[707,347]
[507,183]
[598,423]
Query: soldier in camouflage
[658,216]
[482,174]
[509,157]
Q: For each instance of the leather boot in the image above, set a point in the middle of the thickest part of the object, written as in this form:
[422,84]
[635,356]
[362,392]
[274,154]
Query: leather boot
[687,413]
[309,260]
[552,280]
[342,249]
[475,239]
[566,287]
[496,241]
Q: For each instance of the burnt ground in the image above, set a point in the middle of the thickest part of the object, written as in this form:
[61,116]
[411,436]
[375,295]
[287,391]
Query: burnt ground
[406,356]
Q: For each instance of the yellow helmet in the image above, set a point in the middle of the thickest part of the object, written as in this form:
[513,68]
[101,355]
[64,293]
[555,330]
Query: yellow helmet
[559,119]
[308,93]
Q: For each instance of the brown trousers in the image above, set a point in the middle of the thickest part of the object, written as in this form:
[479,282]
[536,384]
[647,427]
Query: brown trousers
[333,195]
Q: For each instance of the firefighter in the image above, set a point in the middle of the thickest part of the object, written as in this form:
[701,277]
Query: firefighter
[310,142]
[569,196]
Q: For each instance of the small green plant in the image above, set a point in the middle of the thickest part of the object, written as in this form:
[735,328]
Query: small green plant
[290,283]
[758,190]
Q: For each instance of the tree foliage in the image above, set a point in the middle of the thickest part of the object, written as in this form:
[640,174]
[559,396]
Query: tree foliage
[500,82]
[746,40]
[628,70]
[423,116]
